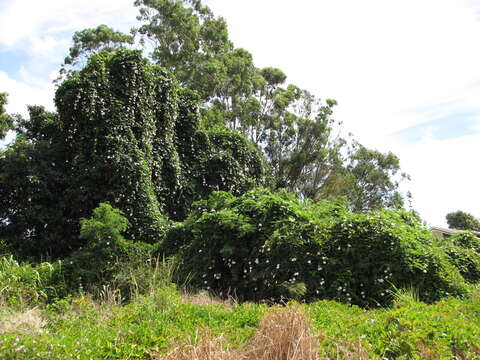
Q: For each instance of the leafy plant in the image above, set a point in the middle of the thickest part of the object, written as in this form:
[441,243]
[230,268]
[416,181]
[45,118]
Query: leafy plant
[273,246]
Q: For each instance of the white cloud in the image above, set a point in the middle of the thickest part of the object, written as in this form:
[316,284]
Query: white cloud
[38,24]
[22,94]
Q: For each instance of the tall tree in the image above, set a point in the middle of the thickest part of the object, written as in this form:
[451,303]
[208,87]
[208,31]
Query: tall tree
[188,40]
[89,41]
[373,177]
[293,128]
[462,221]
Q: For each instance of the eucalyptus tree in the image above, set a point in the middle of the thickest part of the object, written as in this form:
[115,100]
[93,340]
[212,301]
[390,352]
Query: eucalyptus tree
[89,41]
[294,130]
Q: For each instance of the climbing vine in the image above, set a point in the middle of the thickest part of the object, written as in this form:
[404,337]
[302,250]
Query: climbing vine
[131,137]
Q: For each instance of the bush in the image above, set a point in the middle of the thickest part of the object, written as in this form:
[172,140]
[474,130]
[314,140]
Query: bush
[23,285]
[369,255]
[106,252]
[273,246]
[463,251]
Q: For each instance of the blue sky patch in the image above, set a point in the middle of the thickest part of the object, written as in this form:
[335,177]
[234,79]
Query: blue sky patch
[11,61]
[454,125]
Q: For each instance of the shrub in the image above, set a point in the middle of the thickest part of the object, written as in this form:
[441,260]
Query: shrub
[369,255]
[23,285]
[463,251]
[106,252]
[273,246]
[234,245]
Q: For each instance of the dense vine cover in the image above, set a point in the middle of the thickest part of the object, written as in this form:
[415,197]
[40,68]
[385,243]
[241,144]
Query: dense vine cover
[127,134]
[272,246]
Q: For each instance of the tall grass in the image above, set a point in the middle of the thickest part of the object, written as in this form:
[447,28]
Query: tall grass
[24,285]
[136,278]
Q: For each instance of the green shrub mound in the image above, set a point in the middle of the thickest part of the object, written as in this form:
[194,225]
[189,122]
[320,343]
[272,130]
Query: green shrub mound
[463,251]
[370,255]
[273,246]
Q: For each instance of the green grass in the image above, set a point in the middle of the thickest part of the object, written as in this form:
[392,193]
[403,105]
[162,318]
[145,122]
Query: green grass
[36,326]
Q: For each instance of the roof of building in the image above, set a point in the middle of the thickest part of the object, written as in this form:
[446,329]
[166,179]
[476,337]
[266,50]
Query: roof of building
[451,231]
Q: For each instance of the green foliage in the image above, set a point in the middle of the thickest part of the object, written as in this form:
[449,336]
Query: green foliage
[462,221]
[293,128]
[372,179]
[467,240]
[463,251]
[33,220]
[106,225]
[370,255]
[190,41]
[155,324]
[411,330]
[272,246]
[126,134]
[95,262]
[138,330]
[24,285]
[90,41]
[5,120]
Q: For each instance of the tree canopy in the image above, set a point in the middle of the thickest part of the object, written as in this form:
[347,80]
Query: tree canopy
[152,135]
[295,130]
[462,221]
[127,134]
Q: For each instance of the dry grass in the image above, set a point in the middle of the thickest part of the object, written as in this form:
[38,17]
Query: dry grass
[207,348]
[26,322]
[284,334]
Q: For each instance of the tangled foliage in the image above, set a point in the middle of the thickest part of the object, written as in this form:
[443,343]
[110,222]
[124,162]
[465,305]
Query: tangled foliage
[369,255]
[126,133]
[272,246]
[105,248]
[463,251]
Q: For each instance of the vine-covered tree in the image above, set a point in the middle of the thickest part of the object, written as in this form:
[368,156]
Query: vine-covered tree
[294,129]
[127,134]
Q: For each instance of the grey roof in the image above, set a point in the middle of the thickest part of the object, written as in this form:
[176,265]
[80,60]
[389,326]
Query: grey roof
[451,231]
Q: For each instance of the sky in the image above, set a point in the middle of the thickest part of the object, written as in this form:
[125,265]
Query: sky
[405,73]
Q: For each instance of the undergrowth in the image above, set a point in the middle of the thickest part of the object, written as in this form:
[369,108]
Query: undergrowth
[163,323]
